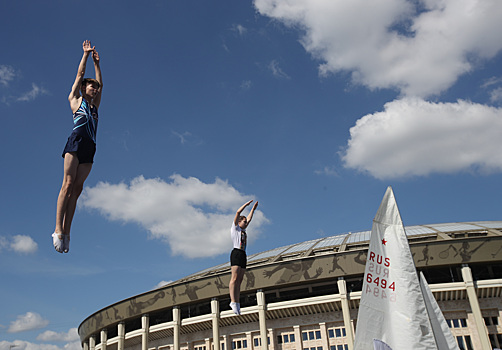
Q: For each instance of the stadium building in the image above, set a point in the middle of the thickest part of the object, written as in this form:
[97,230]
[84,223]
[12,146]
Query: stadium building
[305,296]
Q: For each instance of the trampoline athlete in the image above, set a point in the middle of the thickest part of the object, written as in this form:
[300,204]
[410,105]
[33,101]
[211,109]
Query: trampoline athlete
[238,258]
[78,154]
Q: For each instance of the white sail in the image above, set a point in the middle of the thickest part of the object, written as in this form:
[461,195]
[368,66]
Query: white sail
[392,307]
[442,334]
[380,345]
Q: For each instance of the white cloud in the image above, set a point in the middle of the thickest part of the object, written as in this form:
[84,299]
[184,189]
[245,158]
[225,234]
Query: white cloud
[413,137]
[496,95]
[24,345]
[178,212]
[19,244]
[327,170]
[240,29]
[49,336]
[7,74]
[491,81]
[27,322]
[23,244]
[3,242]
[246,84]
[182,137]
[419,48]
[33,93]
[161,284]
[277,71]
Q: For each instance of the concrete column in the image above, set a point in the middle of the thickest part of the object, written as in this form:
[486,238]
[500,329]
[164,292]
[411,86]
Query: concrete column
[176,330]
[104,339]
[324,335]
[207,343]
[226,341]
[298,336]
[342,289]
[262,318]
[121,335]
[145,330]
[249,339]
[92,343]
[215,315]
[85,346]
[273,340]
[476,310]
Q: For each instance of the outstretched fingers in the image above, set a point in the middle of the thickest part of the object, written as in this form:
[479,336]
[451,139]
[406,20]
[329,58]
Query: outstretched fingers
[86,46]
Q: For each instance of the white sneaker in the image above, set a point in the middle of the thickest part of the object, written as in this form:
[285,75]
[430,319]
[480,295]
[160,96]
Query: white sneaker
[235,308]
[57,241]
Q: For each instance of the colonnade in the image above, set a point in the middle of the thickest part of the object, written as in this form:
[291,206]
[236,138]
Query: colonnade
[343,298]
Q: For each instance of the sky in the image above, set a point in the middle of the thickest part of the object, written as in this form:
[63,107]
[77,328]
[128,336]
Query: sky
[312,108]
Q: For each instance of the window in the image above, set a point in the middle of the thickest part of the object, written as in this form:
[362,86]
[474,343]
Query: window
[257,341]
[311,335]
[464,342]
[286,338]
[337,332]
[495,340]
[305,336]
[318,335]
[238,344]
[491,321]
[457,323]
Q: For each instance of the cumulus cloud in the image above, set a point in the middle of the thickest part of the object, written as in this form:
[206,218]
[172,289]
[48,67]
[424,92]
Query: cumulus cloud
[51,336]
[23,244]
[178,212]
[24,345]
[19,244]
[27,322]
[413,137]
[417,47]
[7,74]
[32,94]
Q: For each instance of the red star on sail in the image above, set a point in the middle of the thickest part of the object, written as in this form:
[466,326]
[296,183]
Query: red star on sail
[384,241]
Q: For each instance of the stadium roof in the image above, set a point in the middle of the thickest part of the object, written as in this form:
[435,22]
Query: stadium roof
[360,240]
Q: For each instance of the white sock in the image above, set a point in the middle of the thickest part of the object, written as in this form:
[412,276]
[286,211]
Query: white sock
[234,308]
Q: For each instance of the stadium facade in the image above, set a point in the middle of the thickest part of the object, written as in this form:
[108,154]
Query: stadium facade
[305,296]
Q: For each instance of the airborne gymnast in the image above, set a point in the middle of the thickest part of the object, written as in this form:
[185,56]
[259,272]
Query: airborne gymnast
[238,258]
[78,154]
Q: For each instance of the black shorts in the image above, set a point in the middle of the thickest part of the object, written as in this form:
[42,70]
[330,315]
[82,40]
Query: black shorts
[84,147]
[238,258]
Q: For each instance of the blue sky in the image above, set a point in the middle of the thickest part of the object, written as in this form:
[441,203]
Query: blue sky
[310,107]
